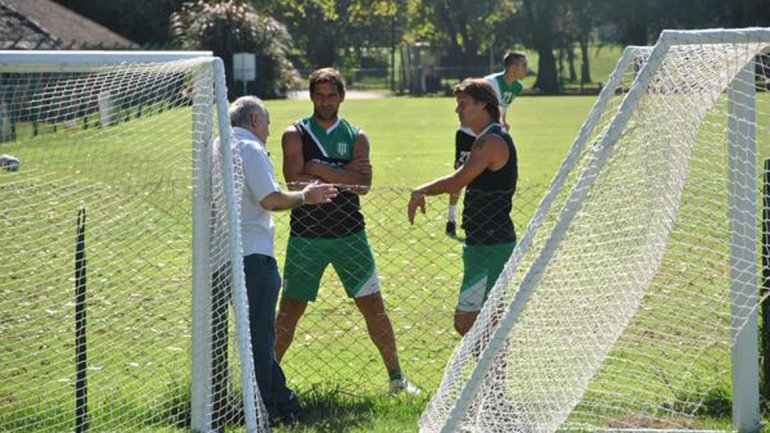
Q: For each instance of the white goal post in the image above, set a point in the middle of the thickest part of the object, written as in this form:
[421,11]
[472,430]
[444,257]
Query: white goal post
[587,329]
[125,138]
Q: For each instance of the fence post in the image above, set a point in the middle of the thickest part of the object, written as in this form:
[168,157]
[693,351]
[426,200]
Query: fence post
[765,286]
[81,360]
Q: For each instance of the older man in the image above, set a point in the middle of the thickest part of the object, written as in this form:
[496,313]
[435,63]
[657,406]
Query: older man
[259,196]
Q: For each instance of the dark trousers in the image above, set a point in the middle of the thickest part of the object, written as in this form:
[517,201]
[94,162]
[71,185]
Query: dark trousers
[263,283]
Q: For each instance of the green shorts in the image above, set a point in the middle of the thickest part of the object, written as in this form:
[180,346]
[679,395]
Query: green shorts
[482,265]
[306,260]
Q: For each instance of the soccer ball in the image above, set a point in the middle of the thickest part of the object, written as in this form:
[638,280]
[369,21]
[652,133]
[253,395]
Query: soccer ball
[9,163]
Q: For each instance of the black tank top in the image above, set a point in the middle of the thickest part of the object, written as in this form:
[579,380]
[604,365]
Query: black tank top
[342,217]
[488,199]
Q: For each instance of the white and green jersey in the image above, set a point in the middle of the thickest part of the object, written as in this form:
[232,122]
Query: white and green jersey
[334,147]
[505,93]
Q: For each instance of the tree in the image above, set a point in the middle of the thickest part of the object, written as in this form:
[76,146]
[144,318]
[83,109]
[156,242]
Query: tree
[324,30]
[540,17]
[587,15]
[227,27]
[142,21]
[463,29]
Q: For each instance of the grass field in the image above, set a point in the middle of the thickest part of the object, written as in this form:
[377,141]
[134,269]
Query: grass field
[139,332]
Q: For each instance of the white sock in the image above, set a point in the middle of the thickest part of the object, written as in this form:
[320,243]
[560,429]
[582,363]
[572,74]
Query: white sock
[452,213]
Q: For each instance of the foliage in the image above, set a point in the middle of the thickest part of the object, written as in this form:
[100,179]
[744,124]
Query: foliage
[330,31]
[142,21]
[346,33]
[463,29]
[232,26]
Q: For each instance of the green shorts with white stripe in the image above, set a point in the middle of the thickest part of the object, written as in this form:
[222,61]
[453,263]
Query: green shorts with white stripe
[482,265]
[306,260]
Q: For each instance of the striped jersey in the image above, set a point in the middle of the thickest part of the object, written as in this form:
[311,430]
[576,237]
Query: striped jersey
[505,93]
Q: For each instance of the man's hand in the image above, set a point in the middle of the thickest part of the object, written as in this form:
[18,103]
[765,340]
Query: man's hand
[417,201]
[360,165]
[317,193]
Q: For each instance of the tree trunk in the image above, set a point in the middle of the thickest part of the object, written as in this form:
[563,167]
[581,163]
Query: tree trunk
[585,68]
[639,32]
[540,14]
[547,80]
[571,63]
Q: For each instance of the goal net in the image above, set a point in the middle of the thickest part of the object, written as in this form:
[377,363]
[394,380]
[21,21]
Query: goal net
[118,303]
[631,301]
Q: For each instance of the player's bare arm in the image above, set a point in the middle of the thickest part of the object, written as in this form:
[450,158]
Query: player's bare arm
[294,161]
[358,172]
[488,152]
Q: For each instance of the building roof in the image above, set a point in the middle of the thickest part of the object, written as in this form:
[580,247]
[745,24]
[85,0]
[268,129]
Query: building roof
[44,24]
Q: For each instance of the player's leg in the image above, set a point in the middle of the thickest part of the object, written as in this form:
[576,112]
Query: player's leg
[304,266]
[289,313]
[380,329]
[354,263]
[451,224]
[464,321]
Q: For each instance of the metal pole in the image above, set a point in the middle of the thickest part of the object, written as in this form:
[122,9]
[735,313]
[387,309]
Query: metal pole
[81,360]
[765,287]
[744,262]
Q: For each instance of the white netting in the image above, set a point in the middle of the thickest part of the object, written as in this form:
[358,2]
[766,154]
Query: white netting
[628,320]
[122,142]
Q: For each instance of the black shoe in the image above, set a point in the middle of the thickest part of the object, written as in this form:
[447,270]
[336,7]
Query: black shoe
[290,419]
[290,414]
[451,229]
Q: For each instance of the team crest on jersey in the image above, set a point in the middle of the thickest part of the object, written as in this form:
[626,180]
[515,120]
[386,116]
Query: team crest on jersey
[342,147]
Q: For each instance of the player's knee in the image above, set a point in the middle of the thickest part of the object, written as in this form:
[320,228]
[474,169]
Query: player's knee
[371,304]
[461,327]
[291,310]
[464,321]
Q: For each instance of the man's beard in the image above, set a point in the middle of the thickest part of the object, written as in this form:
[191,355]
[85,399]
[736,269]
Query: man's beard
[320,116]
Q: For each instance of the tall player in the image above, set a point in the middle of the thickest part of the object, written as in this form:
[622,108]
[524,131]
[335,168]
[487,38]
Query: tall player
[327,148]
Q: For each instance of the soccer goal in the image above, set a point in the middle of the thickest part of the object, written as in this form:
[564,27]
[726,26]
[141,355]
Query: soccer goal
[119,228]
[631,302]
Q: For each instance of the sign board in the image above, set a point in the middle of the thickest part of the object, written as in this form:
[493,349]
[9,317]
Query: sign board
[244,67]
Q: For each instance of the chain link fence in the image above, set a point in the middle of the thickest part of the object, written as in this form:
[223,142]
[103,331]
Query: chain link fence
[420,270]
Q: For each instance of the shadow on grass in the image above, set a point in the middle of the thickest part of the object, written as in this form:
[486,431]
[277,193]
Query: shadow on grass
[330,408]
[333,408]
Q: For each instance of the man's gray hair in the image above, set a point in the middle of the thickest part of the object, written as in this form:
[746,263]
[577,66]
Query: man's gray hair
[242,109]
